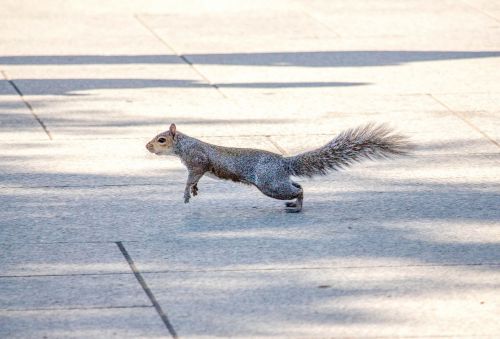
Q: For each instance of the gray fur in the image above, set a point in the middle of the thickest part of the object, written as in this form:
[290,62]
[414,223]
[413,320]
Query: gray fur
[270,172]
[353,145]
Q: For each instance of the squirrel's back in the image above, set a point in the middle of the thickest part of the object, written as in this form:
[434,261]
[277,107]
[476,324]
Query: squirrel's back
[370,141]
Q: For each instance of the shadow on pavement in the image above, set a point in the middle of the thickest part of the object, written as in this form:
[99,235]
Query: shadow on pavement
[68,86]
[301,59]
[233,261]
[275,59]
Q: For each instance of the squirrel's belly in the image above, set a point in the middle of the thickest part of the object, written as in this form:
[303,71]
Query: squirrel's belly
[212,176]
[222,173]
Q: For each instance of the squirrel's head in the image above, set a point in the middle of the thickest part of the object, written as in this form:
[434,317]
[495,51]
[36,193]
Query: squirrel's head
[163,143]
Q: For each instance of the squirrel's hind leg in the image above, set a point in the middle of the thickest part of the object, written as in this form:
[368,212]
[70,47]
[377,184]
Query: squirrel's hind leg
[294,203]
[285,190]
[296,206]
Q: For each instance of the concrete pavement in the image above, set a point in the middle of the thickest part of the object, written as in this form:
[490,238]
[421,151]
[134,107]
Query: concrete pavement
[95,240]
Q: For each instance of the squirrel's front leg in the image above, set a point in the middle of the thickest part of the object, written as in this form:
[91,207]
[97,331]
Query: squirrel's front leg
[194,190]
[191,185]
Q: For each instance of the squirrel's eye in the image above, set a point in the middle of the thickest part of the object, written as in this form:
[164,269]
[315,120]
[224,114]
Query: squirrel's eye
[162,140]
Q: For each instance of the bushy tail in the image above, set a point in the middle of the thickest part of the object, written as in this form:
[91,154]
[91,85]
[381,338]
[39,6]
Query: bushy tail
[353,145]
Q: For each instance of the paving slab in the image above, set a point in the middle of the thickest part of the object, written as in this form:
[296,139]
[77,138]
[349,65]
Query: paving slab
[322,20]
[489,8]
[141,322]
[256,29]
[402,301]
[342,244]
[447,21]
[111,96]
[61,258]
[84,291]
[383,64]
[121,162]
[114,161]
[398,248]
[146,212]
[16,120]
[33,33]
[478,109]
[337,71]
[95,7]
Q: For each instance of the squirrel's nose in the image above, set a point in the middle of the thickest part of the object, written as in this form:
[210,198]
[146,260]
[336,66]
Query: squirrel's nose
[149,146]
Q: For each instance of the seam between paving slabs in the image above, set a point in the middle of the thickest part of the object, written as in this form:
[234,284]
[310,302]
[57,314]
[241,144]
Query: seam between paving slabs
[480,10]
[464,119]
[321,22]
[21,276]
[182,57]
[276,145]
[27,104]
[91,186]
[275,269]
[73,308]
[423,336]
[147,290]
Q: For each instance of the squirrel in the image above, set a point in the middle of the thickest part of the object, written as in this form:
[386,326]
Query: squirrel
[271,172]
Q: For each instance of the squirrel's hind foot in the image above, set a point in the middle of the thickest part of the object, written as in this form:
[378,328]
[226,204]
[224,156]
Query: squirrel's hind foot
[294,206]
[293,210]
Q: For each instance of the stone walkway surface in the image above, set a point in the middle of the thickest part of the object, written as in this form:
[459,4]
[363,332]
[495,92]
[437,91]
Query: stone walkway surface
[95,240]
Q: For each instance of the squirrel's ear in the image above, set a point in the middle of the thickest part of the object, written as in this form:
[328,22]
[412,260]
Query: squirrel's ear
[172,129]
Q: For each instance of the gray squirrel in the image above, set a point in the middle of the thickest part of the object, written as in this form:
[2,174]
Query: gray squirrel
[270,172]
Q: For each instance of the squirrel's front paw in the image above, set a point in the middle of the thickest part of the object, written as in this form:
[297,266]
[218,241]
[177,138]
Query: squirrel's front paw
[186,198]
[194,190]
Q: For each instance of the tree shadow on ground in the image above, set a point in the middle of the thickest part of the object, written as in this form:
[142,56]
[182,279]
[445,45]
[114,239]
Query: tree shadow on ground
[315,59]
[72,86]
[234,262]
[277,59]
